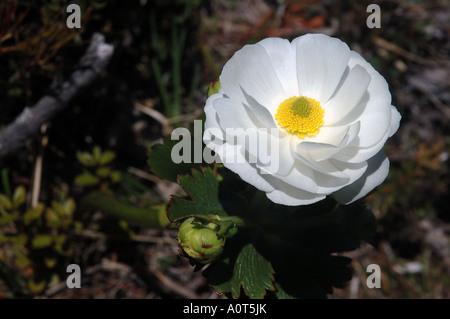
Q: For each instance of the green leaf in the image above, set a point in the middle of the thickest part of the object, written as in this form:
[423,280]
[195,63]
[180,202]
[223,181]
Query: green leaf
[50,262]
[58,208]
[19,196]
[203,189]
[36,287]
[97,154]
[161,162]
[22,258]
[69,207]
[60,239]
[53,7]
[281,294]
[86,179]
[6,218]
[86,159]
[77,225]
[33,213]
[115,176]
[103,172]
[41,241]
[107,157]
[18,239]
[249,270]
[59,248]
[5,202]
[99,5]
[53,218]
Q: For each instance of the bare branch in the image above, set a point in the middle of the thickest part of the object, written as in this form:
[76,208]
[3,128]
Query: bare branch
[30,120]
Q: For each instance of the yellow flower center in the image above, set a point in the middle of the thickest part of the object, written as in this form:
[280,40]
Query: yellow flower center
[300,115]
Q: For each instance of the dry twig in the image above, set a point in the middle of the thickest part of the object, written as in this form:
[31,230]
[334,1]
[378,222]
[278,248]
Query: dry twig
[31,119]
[402,52]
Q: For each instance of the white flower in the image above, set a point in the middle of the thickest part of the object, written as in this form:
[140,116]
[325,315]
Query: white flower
[328,110]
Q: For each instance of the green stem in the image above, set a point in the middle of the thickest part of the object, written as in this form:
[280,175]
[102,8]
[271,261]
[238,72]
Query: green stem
[209,59]
[5,183]
[225,222]
[159,83]
[178,39]
[153,216]
[194,83]
[155,65]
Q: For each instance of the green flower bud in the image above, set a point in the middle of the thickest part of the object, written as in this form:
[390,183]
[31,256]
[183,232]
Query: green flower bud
[200,240]
[214,88]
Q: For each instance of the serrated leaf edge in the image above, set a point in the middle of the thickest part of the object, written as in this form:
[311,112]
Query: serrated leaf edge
[272,280]
[191,175]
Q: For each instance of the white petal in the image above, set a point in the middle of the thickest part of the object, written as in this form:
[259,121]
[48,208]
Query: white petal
[250,70]
[321,62]
[211,114]
[347,96]
[327,149]
[213,135]
[374,128]
[232,114]
[332,135]
[305,178]
[353,170]
[395,121]
[301,176]
[233,158]
[377,171]
[354,153]
[271,150]
[374,110]
[258,113]
[288,195]
[282,56]
[328,153]
[323,177]
[324,167]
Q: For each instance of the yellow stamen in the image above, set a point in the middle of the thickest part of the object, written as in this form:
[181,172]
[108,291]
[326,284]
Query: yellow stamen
[300,115]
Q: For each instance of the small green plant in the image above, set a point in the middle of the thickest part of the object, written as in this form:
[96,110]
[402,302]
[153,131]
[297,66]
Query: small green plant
[108,191]
[34,238]
[98,171]
[9,207]
[38,241]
